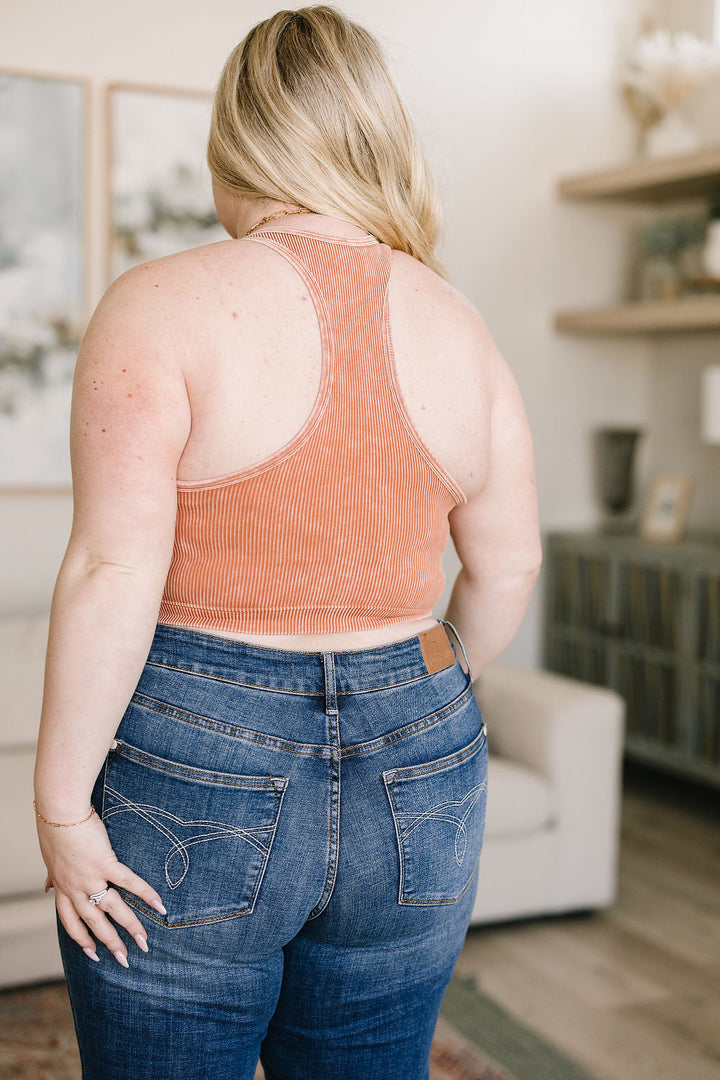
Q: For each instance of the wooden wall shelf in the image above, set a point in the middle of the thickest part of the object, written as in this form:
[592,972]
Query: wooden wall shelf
[649,179]
[689,313]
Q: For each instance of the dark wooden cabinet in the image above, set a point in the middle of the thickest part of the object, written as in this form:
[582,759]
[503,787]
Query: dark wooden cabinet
[644,619]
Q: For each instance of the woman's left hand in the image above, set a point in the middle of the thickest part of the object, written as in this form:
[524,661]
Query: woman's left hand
[80,861]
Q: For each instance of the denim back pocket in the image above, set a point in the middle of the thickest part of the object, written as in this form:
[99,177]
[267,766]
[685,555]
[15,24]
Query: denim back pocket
[439,813]
[201,838]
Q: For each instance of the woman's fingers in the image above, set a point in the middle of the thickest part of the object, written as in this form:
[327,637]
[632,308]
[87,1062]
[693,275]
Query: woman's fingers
[114,906]
[95,917]
[72,922]
[125,877]
[79,915]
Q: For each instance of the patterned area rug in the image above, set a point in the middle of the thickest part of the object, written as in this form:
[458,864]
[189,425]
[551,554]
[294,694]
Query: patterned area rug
[506,1048]
[475,1039]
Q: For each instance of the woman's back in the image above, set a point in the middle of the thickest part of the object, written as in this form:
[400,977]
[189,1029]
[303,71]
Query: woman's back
[253,371]
[252,364]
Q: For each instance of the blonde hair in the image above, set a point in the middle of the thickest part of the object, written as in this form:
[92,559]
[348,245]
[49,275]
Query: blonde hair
[305,112]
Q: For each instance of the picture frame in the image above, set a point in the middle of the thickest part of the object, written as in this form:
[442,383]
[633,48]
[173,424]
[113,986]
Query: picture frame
[44,272]
[158,186]
[667,507]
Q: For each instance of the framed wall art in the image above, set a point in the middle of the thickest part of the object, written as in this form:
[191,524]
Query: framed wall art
[43,273]
[667,507]
[159,187]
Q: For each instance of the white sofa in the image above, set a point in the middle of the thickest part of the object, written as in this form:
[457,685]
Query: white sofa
[552,815]
[555,749]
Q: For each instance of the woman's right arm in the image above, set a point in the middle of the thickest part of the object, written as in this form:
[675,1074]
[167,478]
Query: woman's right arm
[496,533]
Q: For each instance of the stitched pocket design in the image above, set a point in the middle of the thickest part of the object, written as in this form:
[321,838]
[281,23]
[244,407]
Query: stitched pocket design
[201,838]
[439,813]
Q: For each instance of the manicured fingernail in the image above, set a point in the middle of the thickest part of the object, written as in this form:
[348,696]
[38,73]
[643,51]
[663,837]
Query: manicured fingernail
[91,953]
[142,942]
[161,908]
[121,958]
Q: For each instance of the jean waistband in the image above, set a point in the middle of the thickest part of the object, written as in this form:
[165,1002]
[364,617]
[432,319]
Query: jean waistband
[288,669]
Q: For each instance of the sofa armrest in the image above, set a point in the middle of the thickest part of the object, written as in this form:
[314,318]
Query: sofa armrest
[536,716]
[572,733]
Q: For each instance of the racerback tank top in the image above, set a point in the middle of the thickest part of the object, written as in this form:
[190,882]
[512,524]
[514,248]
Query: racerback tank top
[342,528]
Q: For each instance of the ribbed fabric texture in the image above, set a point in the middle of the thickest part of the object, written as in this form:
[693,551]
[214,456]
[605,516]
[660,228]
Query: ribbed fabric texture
[343,528]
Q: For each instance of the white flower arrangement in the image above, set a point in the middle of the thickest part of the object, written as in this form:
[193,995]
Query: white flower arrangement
[669,69]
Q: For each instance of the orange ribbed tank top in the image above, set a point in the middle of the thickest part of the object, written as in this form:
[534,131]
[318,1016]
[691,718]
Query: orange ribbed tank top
[344,527]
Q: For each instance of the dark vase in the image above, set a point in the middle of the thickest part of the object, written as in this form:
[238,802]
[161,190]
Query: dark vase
[615,458]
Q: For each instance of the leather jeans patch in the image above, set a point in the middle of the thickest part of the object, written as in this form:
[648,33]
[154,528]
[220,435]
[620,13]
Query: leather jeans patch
[436,649]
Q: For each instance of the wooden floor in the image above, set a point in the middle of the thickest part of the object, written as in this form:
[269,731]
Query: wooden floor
[632,992]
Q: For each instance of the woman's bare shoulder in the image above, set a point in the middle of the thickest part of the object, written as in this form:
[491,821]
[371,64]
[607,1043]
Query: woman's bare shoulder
[183,267]
[441,314]
[181,290]
[419,285]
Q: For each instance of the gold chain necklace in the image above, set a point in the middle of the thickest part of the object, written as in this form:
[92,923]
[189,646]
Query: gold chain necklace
[277,214]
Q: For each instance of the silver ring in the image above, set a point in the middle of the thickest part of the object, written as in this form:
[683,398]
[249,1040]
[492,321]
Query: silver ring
[96,897]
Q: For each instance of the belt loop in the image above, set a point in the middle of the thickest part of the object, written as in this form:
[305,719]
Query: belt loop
[330,684]
[459,641]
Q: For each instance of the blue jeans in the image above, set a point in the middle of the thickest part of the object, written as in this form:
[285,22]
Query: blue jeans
[313,823]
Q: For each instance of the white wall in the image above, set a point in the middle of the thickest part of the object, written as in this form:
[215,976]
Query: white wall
[674,404]
[508,95]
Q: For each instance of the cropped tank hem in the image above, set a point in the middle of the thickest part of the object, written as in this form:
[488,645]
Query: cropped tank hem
[272,620]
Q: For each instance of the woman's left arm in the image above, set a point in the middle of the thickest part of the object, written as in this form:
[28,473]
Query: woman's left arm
[130,420]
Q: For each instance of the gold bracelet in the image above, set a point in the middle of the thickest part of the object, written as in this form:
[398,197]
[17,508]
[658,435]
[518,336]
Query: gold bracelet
[62,824]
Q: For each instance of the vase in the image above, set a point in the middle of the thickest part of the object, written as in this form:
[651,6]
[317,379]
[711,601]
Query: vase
[674,134]
[615,449]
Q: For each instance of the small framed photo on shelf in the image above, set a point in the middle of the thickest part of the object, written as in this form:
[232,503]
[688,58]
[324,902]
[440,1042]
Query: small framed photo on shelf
[667,507]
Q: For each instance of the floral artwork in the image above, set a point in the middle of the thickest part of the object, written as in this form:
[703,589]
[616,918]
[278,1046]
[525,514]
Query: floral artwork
[160,188]
[42,272]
